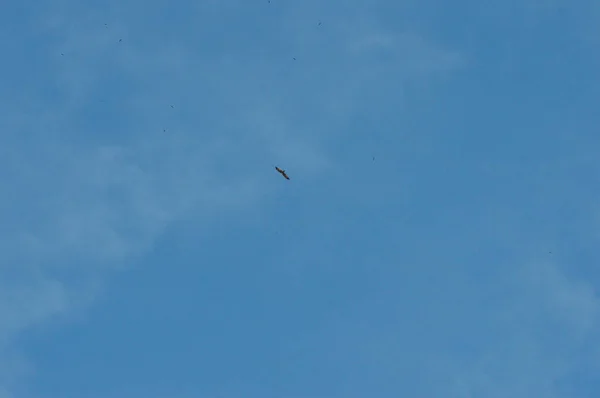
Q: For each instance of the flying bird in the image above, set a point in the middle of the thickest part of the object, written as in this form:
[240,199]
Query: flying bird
[282,172]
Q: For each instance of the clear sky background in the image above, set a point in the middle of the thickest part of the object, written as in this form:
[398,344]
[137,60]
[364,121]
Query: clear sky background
[437,238]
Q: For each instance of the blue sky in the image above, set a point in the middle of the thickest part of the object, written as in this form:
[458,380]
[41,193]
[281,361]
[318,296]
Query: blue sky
[437,237]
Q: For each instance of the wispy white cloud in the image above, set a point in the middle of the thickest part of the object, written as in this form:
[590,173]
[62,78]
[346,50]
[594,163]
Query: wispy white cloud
[527,333]
[26,301]
[544,326]
[84,196]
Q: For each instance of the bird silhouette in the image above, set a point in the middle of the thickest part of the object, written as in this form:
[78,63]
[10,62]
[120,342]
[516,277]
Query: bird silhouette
[282,172]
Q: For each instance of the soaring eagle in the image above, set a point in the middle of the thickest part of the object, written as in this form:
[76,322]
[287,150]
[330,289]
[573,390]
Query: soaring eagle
[282,172]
